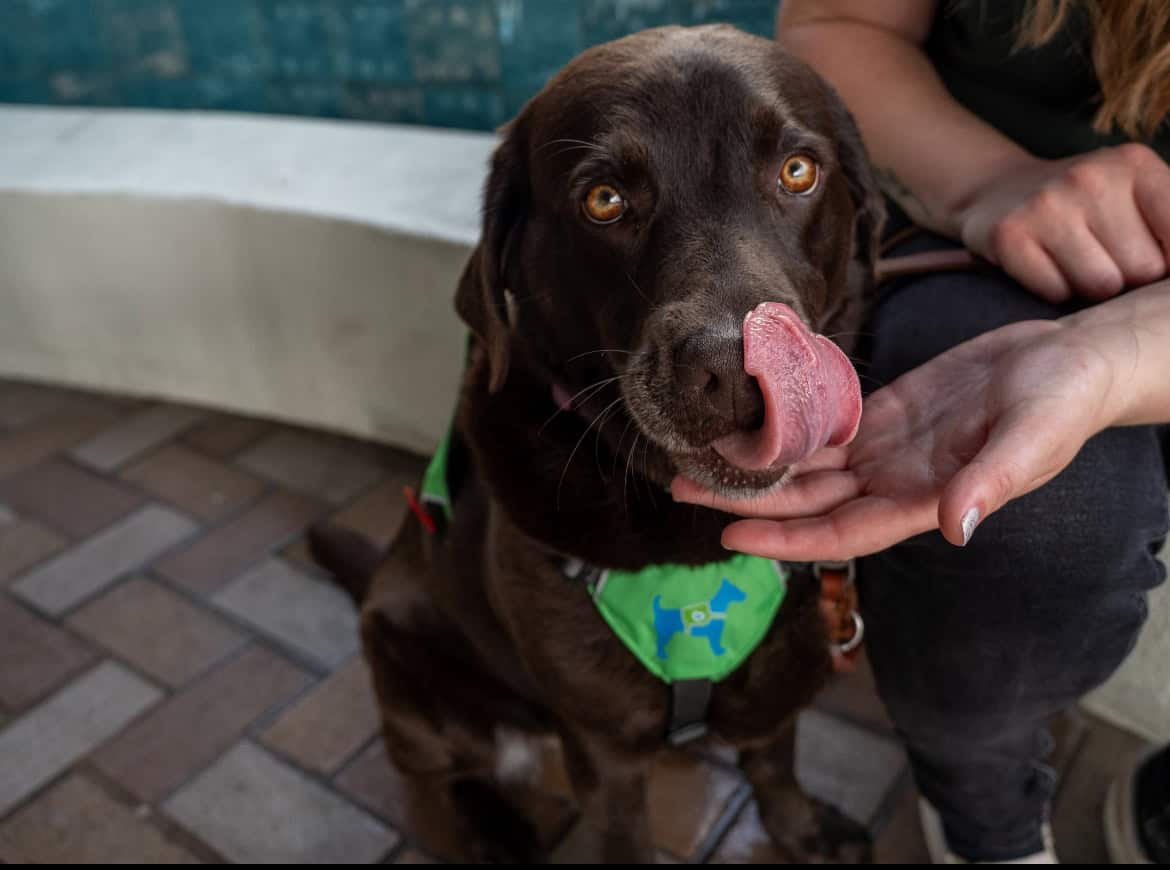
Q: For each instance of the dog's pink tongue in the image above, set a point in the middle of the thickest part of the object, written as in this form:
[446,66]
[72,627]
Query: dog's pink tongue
[812,397]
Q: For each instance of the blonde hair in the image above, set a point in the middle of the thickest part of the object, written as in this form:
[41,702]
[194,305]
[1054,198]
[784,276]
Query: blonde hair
[1131,57]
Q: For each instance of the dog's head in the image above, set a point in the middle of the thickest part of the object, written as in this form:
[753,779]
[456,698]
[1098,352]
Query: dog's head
[658,191]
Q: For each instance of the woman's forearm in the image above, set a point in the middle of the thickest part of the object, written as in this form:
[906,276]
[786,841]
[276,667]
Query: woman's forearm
[930,153]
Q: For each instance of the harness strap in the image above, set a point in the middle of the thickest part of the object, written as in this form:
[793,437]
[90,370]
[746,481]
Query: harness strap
[424,516]
[689,700]
[575,569]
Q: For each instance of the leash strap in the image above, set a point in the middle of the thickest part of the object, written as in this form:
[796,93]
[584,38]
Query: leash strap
[949,260]
[839,606]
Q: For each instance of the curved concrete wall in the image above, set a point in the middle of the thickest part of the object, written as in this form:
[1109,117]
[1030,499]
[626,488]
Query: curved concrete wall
[296,269]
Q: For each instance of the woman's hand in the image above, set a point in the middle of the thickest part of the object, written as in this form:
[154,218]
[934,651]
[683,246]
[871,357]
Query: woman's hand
[1089,225]
[944,446]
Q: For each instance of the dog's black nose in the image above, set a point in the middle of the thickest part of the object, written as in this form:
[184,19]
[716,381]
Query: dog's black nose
[708,367]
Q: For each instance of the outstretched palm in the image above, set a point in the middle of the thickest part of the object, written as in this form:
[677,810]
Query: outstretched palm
[987,421]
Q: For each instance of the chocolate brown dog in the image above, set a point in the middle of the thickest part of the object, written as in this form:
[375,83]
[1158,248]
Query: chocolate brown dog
[659,189]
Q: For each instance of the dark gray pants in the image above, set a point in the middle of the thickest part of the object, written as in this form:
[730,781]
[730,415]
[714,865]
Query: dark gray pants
[974,649]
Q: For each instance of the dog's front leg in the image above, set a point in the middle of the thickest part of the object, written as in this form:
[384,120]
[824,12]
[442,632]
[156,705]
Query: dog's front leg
[806,830]
[610,784]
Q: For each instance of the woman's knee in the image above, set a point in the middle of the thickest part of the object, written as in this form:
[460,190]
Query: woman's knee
[1043,604]
[921,317]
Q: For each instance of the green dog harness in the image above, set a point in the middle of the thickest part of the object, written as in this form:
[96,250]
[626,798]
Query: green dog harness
[690,626]
[681,622]
[687,622]
[436,490]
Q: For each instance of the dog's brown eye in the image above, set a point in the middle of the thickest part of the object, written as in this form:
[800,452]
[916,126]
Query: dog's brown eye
[798,174]
[604,205]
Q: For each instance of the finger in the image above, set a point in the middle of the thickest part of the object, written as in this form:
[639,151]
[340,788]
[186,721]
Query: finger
[858,528]
[803,496]
[1131,244]
[825,458]
[1017,458]
[1087,267]
[1152,191]
[1027,262]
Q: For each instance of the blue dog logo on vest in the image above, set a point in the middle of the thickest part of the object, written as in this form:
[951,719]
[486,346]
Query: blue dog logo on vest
[704,619]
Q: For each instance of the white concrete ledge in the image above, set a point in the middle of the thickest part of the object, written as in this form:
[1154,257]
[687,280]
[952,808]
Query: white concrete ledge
[404,179]
[298,269]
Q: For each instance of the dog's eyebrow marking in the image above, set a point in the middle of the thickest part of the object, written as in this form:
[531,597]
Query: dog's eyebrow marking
[768,127]
[797,138]
[775,133]
[573,145]
[622,156]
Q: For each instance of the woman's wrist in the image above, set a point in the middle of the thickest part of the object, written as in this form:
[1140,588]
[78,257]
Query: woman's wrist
[1130,336]
[1104,358]
[995,172]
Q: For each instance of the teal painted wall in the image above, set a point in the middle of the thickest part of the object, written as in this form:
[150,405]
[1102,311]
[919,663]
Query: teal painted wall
[450,63]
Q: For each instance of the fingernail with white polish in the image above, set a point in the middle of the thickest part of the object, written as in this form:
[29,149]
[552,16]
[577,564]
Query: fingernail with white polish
[970,521]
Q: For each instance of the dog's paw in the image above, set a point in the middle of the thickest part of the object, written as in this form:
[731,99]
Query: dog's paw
[819,834]
[497,831]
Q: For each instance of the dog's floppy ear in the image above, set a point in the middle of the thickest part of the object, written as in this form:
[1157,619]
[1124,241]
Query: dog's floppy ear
[869,207]
[482,298]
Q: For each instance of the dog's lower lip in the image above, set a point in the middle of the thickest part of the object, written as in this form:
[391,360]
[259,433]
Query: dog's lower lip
[709,454]
[777,466]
